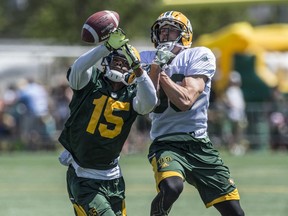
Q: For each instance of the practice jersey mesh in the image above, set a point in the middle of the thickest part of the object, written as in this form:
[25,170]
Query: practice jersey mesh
[96,130]
[166,118]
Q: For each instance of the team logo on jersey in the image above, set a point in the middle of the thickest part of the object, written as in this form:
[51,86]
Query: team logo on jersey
[205,58]
[164,165]
[164,161]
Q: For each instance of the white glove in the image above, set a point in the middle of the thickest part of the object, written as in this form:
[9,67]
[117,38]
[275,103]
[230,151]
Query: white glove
[163,56]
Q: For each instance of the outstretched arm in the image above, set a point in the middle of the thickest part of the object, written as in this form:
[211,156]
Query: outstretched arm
[146,97]
[81,70]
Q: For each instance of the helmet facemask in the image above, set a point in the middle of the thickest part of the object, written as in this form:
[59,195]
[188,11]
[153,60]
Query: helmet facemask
[166,41]
[117,69]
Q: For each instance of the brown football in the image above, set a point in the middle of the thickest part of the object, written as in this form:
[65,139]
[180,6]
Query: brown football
[97,27]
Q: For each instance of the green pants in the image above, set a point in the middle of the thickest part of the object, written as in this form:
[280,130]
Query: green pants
[91,197]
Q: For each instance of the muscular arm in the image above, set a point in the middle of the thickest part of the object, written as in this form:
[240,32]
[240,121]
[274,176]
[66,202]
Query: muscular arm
[184,95]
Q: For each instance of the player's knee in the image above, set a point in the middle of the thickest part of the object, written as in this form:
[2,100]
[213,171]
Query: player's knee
[239,211]
[236,212]
[172,186]
[231,207]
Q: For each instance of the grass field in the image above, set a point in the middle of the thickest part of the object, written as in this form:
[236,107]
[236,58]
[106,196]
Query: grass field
[34,184]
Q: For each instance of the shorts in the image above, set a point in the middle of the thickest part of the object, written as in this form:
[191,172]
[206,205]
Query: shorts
[91,197]
[195,161]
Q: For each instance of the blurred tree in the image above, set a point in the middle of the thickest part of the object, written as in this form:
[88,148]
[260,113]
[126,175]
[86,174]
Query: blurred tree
[60,21]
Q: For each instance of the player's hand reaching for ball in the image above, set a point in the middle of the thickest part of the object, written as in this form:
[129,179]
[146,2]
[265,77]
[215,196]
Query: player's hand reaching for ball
[116,40]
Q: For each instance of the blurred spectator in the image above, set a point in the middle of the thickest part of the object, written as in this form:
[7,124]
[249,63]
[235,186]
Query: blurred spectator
[278,132]
[216,119]
[278,121]
[278,100]
[10,95]
[37,125]
[61,96]
[235,107]
[7,128]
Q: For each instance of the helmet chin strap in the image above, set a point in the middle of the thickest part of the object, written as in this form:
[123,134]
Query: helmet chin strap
[127,78]
[117,76]
[114,75]
[171,44]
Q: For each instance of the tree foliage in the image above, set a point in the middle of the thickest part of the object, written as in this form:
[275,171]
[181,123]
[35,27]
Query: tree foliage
[60,21]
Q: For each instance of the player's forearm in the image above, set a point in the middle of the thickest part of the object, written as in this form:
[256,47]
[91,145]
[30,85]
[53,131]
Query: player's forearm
[138,72]
[146,97]
[154,75]
[178,95]
[80,75]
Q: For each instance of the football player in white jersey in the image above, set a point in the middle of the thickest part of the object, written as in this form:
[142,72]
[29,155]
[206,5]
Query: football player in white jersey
[181,149]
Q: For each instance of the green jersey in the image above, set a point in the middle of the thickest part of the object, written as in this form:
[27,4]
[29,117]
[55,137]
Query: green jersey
[99,123]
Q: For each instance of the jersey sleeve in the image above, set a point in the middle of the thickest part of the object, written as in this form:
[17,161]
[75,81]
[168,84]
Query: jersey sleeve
[147,56]
[81,71]
[146,97]
[201,62]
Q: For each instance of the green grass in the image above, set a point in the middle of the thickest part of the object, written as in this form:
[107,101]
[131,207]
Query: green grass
[34,184]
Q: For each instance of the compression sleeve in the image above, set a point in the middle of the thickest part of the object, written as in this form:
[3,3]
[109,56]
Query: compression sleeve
[81,70]
[146,97]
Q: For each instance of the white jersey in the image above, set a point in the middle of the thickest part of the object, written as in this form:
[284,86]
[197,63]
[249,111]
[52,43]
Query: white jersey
[167,118]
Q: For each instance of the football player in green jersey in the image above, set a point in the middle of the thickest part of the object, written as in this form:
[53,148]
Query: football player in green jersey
[181,149]
[103,108]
